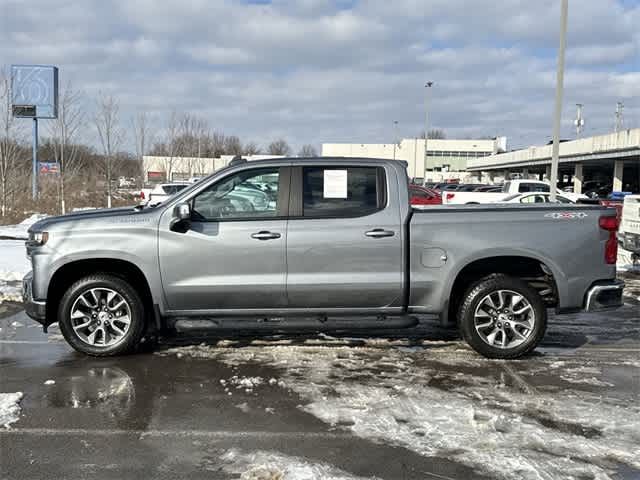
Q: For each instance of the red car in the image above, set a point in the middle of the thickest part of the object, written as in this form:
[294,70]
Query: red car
[423,196]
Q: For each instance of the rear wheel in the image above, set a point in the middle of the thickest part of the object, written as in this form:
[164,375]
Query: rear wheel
[502,317]
[102,315]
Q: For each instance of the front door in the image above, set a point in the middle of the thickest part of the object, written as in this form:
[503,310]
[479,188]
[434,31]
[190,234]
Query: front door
[233,254]
[344,239]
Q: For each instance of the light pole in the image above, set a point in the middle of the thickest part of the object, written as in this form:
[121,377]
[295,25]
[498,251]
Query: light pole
[395,137]
[428,86]
[558,107]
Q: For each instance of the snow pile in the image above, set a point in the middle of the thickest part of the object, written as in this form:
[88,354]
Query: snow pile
[262,465]
[625,262]
[420,400]
[19,231]
[9,408]
[13,266]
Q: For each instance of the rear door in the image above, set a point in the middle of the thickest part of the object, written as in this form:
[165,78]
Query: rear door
[344,239]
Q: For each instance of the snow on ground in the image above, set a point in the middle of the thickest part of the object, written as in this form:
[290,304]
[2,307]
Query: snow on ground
[19,231]
[9,408]
[625,262]
[263,465]
[13,266]
[447,402]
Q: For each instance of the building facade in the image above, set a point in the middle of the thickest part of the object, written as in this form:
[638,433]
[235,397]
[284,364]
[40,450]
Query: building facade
[443,155]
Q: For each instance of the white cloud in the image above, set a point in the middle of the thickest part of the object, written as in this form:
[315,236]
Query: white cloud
[317,70]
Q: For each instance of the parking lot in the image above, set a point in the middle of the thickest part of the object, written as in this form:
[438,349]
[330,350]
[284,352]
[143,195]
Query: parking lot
[401,404]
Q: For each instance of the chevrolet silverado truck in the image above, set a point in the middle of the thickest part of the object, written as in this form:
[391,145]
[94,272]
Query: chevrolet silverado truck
[318,238]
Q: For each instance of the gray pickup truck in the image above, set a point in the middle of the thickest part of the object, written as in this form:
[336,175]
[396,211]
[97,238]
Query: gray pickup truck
[320,237]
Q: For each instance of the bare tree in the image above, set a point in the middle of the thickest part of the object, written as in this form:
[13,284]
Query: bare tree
[10,137]
[142,139]
[308,150]
[279,147]
[64,131]
[111,135]
[435,134]
[173,143]
[251,148]
[232,145]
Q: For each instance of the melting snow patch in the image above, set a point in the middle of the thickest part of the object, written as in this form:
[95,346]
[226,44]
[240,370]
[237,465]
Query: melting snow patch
[9,408]
[50,382]
[423,402]
[262,465]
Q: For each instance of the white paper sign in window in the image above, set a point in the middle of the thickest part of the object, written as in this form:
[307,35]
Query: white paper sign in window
[335,184]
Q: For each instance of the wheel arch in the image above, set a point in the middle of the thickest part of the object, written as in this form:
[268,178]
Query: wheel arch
[68,273]
[541,273]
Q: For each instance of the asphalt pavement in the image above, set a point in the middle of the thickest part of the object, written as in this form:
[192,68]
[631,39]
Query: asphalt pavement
[326,405]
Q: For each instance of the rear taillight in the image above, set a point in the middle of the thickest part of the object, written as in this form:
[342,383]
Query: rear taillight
[610,224]
[450,196]
[142,195]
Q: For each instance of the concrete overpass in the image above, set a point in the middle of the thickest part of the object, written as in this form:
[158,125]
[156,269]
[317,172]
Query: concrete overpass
[614,157]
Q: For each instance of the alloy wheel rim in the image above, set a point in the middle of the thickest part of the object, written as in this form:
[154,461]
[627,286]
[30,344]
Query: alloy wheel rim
[504,319]
[100,317]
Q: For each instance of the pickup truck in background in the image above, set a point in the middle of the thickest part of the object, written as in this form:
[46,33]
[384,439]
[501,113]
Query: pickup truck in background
[509,188]
[325,238]
[629,234]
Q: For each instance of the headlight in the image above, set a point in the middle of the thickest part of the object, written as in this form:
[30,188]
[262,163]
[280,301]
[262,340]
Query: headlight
[38,238]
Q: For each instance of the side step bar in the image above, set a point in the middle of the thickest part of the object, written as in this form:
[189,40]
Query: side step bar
[191,324]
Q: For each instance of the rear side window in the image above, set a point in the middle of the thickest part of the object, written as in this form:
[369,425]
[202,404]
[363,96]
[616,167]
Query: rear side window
[342,191]
[533,187]
[171,189]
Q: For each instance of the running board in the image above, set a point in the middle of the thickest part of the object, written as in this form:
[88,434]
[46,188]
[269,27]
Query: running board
[185,325]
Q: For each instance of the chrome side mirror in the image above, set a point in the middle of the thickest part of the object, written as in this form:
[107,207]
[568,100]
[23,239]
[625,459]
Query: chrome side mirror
[181,218]
[183,211]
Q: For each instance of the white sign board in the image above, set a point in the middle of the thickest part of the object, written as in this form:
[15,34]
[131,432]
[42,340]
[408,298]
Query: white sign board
[335,184]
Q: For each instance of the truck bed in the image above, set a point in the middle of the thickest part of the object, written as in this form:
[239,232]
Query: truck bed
[446,239]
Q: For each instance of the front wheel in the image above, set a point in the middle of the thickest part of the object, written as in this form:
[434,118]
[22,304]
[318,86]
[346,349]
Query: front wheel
[502,317]
[102,315]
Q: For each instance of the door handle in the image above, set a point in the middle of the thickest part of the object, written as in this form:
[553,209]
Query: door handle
[264,235]
[379,233]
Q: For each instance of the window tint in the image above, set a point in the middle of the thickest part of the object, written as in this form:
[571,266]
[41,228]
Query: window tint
[247,194]
[533,187]
[342,191]
[171,189]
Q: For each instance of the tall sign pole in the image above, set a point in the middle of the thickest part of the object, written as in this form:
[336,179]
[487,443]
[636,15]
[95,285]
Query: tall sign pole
[34,95]
[428,86]
[34,173]
[558,107]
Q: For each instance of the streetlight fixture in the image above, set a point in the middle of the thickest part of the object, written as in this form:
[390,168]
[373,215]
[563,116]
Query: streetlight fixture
[428,86]
[558,106]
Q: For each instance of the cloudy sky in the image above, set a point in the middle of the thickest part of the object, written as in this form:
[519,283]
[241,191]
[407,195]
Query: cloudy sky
[316,71]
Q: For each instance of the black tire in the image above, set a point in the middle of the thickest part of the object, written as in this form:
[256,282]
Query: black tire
[477,292]
[131,338]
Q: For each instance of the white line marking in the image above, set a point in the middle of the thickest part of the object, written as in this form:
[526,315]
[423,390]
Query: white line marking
[170,433]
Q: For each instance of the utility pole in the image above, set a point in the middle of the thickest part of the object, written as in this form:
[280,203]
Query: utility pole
[428,86]
[564,8]
[619,118]
[579,121]
[395,137]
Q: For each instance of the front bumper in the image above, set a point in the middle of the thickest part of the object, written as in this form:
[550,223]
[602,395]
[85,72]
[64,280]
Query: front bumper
[34,308]
[604,295]
[630,241]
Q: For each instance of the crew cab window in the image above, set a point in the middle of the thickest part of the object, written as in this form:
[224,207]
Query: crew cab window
[342,191]
[247,194]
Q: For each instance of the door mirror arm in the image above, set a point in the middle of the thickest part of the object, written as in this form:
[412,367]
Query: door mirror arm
[181,221]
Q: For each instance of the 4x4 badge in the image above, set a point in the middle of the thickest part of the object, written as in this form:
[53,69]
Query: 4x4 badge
[566,215]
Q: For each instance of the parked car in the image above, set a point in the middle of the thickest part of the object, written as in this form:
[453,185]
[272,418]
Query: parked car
[537,197]
[340,240]
[630,224]
[162,191]
[423,196]
[511,187]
